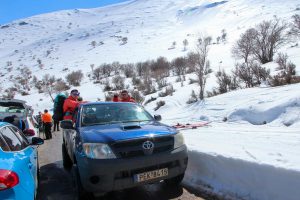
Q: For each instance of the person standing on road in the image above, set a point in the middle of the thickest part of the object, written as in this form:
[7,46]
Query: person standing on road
[55,123]
[47,121]
[71,104]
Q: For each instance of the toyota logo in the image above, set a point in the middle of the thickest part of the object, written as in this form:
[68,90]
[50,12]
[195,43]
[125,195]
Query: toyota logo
[148,147]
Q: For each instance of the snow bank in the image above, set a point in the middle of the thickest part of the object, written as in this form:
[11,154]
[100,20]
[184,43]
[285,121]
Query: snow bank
[242,179]
[258,115]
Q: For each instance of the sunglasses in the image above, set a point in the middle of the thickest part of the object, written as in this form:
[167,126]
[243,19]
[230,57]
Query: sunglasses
[76,93]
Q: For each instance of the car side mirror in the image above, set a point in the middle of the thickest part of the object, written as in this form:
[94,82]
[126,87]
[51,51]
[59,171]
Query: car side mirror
[66,124]
[37,141]
[157,117]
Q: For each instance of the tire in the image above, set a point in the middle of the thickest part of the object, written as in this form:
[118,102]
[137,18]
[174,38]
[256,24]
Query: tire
[67,162]
[79,193]
[175,180]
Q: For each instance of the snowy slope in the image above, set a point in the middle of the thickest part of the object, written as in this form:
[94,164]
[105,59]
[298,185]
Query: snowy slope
[247,155]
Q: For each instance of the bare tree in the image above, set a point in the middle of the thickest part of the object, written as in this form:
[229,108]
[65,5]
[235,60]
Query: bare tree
[261,42]
[128,70]
[191,61]
[224,35]
[225,82]
[244,46]
[74,78]
[251,74]
[288,69]
[295,29]
[202,68]
[119,82]
[268,37]
[48,85]
[179,65]
[160,68]
[143,68]
[26,76]
[116,67]
[107,69]
[60,86]
[97,73]
[244,74]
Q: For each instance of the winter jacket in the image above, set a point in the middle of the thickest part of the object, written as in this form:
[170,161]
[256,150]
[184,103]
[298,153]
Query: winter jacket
[128,99]
[46,118]
[70,105]
[115,98]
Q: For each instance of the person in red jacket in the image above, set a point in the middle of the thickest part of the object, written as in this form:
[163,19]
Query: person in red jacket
[71,104]
[115,98]
[125,97]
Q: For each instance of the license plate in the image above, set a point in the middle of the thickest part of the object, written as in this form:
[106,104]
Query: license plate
[151,175]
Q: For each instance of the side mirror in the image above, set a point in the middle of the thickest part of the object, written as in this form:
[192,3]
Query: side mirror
[66,124]
[37,141]
[157,117]
[29,132]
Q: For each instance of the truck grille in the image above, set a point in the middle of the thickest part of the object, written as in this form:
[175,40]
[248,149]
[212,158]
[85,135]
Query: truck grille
[133,148]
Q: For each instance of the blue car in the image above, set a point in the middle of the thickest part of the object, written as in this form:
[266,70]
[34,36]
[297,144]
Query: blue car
[18,164]
[114,146]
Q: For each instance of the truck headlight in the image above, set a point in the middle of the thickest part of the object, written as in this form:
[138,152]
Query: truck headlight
[178,140]
[98,151]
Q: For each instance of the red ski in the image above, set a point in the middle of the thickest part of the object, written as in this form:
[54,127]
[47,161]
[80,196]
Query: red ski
[190,125]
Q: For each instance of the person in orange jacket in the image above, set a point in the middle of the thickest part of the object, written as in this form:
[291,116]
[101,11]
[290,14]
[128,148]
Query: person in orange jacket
[71,104]
[47,121]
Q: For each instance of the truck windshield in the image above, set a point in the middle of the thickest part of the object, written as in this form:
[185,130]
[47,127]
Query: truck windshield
[95,114]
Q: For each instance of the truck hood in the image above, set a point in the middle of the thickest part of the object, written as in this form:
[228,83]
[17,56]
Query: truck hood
[117,132]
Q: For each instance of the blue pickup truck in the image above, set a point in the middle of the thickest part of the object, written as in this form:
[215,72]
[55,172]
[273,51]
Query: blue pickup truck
[113,146]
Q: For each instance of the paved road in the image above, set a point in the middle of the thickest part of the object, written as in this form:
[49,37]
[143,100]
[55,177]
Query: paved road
[56,183]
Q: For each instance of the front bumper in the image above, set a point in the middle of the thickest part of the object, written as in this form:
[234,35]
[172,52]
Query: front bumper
[101,176]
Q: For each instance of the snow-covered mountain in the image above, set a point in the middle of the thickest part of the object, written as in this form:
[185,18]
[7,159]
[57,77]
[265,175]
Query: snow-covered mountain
[260,139]
[63,39]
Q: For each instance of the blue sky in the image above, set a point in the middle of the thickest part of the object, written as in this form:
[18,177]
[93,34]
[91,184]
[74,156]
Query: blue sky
[16,9]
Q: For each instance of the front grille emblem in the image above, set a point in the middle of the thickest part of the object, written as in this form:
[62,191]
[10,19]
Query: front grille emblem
[148,147]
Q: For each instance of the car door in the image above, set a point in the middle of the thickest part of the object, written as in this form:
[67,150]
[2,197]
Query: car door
[32,152]
[24,155]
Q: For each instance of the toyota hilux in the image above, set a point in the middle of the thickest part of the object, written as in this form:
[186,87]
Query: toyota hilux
[114,146]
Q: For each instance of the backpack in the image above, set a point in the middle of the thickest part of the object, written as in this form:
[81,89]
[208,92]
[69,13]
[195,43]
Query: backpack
[58,110]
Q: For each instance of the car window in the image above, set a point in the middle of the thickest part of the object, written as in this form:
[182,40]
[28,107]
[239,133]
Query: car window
[21,136]
[11,139]
[3,145]
[94,114]
[10,107]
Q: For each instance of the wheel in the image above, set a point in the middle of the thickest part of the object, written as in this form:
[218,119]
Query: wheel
[175,180]
[67,162]
[79,193]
